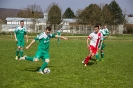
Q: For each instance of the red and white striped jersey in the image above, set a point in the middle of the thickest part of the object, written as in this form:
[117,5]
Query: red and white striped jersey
[95,38]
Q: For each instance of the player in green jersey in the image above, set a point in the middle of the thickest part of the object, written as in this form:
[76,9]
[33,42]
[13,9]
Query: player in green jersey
[19,34]
[58,33]
[105,33]
[43,48]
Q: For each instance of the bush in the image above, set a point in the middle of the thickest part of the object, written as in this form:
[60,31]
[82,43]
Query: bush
[129,28]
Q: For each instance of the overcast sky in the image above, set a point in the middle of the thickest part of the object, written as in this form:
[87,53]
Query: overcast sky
[126,5]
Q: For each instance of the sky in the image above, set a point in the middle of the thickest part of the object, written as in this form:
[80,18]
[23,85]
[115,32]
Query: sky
[126,5]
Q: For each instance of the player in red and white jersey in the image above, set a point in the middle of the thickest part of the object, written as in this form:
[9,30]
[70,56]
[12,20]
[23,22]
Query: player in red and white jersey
[94,39]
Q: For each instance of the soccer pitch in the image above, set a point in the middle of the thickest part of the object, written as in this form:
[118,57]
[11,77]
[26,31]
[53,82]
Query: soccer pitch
[67,71]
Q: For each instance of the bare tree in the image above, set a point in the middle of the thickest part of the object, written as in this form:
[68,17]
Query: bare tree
[32,11]
[78,14]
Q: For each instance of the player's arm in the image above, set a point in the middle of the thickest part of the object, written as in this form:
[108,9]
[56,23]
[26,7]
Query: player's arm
[32,42]
[15,37]
[87,42]
[106,36]
[26,36]
[62,37]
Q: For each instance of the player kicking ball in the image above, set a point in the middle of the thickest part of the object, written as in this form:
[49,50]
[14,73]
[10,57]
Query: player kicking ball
[94,39]
[43,48]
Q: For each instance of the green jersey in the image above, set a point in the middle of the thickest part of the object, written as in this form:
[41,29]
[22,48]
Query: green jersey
[20,32]
[44,40]
[59,32]
[105,32]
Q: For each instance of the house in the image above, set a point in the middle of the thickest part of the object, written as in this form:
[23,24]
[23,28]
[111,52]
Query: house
[39,25]
[13,22]
[129,20]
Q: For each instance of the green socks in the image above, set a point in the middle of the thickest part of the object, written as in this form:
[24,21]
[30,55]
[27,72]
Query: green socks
[44,66]
[17,52]
[97,57]
[21,53]
[102,55]
[58,40]
[29,58]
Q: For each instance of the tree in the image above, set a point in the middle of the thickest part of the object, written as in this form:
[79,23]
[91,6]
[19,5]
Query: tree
[95,14]
[54,15]
[118,17]
[1,22]
[90,15]
[68,13]
[130,15]
[32,11]
[78,15]
[106,15]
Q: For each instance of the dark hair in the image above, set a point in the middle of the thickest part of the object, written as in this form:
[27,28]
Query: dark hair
[97,26]
[21,21]
[48,28]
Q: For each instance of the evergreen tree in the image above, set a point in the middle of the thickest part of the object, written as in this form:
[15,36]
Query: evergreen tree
[90,15]
[118,17]
[68,13]
[106,15]
[54,15]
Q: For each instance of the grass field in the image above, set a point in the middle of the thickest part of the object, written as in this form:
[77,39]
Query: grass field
[67,71]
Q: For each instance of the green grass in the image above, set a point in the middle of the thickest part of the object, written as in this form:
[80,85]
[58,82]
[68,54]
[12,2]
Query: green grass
[67,71]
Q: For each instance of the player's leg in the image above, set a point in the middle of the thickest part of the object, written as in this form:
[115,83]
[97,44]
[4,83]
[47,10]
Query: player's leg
[21,52]
[58,40]
[21,49]
[35,58]
[88,58]
[97,57]
[46,60]
[17,50]
[102,52]
[97,54]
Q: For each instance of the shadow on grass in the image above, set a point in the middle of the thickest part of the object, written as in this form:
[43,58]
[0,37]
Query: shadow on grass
[93,59]
[35,69]
[90,63]
[32,69]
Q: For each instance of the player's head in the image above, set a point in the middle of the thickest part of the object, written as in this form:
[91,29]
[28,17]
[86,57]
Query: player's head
[96,28]
[105,26]
[48,30]
[99,26]
[21,23]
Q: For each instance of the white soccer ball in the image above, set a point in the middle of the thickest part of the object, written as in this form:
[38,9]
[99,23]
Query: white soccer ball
[46,71]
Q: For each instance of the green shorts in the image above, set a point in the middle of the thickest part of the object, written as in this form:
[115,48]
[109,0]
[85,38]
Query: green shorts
[42,54]
[20,43]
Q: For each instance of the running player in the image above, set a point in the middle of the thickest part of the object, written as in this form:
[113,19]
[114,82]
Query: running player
[43,48]
[94,38]
[19,34]
[105,33]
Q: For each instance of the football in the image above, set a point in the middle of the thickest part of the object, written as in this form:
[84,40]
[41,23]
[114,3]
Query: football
[46,71]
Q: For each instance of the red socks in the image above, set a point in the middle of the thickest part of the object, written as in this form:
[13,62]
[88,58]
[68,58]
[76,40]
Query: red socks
[87,59]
